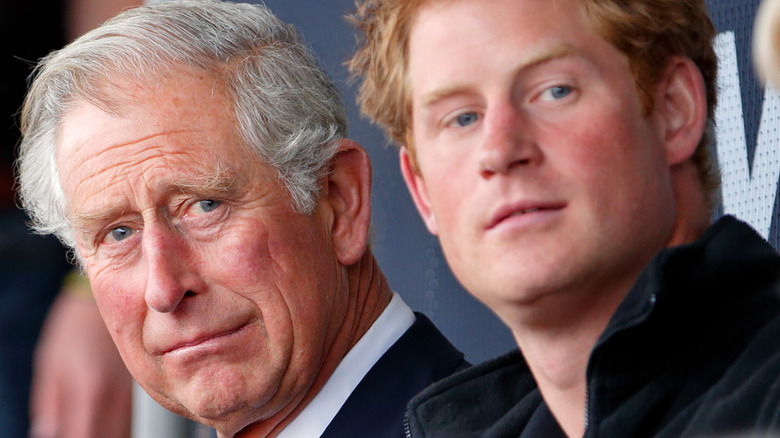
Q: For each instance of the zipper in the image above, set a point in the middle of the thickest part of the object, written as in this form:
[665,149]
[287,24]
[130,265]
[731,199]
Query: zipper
[631,324]
[407,426]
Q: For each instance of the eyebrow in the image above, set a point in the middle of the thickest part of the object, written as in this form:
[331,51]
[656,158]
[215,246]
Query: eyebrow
[86,223]
[440,94]
[220,183]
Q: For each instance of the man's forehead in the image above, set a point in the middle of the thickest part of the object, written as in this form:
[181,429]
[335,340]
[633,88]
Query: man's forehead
[533,33]
[123,112]
[121,94]
[102,155]
[525,19]
[543,55]
[95,206]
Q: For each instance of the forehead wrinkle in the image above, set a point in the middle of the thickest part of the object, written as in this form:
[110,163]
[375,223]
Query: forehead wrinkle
[86,222]
[116,171]
[105,166]
[222,181]
[110,146]
[159,186]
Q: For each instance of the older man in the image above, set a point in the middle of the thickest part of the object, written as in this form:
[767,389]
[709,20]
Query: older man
[195,158]
[557,149]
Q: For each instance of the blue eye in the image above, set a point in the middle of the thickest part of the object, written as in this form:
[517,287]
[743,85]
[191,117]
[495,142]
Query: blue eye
[466,119]
[208,205]
[121,233]
[558,92]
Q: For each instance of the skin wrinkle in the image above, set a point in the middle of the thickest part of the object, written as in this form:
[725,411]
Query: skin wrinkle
[129,159]
[291,404]
[107,77]
[296,284]
[219,184]
[222,181]
[372,278]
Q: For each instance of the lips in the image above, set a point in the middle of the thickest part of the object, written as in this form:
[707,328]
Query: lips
[521,208]
[200,339]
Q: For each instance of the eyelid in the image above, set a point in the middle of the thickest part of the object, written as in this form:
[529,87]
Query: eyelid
[548,86]
[449,120]
[549,90]
[199,203]
[438,112]
[128,231]
[114,227]
[102,237]
[194,202]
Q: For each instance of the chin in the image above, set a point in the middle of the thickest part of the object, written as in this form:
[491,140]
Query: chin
[214,406]
[213,400]
[510,291]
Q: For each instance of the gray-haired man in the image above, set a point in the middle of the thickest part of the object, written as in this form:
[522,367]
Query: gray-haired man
[195,158]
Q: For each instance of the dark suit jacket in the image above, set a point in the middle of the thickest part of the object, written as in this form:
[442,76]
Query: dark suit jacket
[375,409]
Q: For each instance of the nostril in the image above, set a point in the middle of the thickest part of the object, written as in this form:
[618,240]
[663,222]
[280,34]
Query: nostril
[189,293]
[487,172]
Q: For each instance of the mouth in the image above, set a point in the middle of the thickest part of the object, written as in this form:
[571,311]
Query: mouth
[203,340]
[526,209]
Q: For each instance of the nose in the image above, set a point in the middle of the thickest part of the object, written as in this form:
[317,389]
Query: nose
[507,143]
[171,277]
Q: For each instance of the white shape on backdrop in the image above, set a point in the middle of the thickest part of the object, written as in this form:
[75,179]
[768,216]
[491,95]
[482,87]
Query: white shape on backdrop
[747,193]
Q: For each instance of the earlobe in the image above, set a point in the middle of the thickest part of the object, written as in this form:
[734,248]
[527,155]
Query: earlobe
[349,197]
[416,184]
[682,101]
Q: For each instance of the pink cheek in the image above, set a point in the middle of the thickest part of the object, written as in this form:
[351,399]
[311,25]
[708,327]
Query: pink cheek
[120,302]
[124,323]
[247,259]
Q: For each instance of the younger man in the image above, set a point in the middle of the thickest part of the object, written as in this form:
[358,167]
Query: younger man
[559,151]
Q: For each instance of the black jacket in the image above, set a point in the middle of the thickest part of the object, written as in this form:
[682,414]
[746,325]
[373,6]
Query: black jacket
[693,350]
[375,409]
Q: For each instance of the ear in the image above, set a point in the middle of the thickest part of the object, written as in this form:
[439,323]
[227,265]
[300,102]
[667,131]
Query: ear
[348,194]
[681,104]
[416,184]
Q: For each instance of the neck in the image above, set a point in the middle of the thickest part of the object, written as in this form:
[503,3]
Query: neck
[558,349]
[693,211]
[558,334]
[369,285]
[368,294]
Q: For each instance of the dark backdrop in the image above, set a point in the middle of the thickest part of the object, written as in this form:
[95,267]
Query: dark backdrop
[412,259]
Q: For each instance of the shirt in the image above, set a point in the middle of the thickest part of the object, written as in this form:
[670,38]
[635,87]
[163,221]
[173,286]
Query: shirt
[391,324]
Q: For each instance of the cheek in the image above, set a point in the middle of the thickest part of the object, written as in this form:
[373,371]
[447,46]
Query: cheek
[123,310]
[237,257]
[242,258]
[608,142]
[455,207]
[621,173]
[283,265]
[310,281]
[119,295]
[450,183]
[304,267]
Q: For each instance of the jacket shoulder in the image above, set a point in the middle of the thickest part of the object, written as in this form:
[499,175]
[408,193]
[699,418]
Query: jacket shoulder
[474,402]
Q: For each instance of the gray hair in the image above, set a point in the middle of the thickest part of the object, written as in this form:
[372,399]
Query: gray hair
[286,110]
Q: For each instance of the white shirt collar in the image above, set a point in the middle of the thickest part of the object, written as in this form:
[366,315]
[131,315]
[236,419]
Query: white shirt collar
[317,415]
